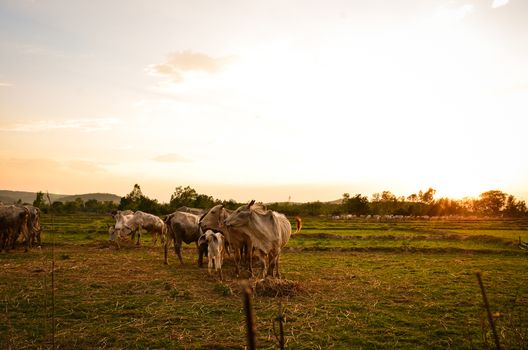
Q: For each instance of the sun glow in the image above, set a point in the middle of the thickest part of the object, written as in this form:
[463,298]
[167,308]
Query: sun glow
[399,100]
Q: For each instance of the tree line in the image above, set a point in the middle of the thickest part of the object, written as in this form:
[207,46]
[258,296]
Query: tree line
[493,203]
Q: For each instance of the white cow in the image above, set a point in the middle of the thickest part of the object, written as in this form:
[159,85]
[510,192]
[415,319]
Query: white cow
[215,251]
[129,224]
[121,218]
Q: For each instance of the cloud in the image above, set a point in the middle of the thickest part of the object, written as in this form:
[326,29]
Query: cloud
[84,166]
[4,84]
[179,63]
[94,124]
[170,158]
[455,13]
[499,3]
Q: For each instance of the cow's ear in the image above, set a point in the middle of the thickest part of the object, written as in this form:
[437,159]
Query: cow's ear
[251,203]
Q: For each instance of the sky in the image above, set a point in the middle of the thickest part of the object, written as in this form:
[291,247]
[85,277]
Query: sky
[268,100]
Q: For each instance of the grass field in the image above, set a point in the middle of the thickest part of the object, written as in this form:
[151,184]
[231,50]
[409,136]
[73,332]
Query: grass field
[360,285]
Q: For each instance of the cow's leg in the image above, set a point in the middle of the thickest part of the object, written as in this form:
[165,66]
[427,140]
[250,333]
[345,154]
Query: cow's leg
[277,266]
[165,251]
[236,256]
[220,263]
[201,252]
[27,239]
[154,238]
[178,249]
[166,247]
[3,236]
[210,265]
[139,235]
[250,258]
[273,261]
[14,237]
[264,259]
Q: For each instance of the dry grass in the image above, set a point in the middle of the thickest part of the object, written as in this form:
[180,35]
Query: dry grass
[275,287]
[127,299]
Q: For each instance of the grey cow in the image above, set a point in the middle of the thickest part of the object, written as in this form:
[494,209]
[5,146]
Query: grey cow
[13,223]
[182,227]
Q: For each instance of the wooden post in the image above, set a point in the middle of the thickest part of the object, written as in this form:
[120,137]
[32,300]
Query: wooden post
[490,317]
[250,317]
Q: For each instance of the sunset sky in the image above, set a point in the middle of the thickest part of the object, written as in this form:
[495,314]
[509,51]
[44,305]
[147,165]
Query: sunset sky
[268,100]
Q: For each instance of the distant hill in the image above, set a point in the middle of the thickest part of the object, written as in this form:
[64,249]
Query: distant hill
[10,197]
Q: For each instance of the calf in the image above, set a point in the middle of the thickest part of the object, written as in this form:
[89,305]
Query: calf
[215,251]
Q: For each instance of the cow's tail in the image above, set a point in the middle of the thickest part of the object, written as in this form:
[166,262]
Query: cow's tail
[167,229]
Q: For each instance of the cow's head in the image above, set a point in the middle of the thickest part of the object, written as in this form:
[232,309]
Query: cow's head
[240,217]
[213,219]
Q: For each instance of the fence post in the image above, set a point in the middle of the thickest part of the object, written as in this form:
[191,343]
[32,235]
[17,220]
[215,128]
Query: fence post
[250,317]
[280,320]
[490,317]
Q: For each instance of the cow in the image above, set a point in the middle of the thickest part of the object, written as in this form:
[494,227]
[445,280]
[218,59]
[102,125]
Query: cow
[121,218]
[298,223]
[215,249]
[13,223]
[141,220]
[214,219]
[269,231]
[195,211]
[33,224]
[182,227]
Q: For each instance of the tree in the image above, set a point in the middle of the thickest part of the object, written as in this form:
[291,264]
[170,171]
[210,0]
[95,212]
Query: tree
[183,197]
[387,196]
[413,198]
[356,205]
[131,201]
[492,202]
[58,207]
[427,196]
[514,207]
[39,200]
[203,201]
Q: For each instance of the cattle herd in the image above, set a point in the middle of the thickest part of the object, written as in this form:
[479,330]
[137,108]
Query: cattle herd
[247,232]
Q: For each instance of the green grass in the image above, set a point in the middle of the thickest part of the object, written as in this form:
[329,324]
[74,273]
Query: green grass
[398,290]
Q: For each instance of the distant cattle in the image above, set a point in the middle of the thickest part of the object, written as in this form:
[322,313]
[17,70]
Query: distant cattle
[182,227]
[269,231]
[138,221]
[239,241]
[13,224]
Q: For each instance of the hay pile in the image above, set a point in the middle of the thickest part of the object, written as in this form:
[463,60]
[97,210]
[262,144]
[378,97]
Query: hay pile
[275,287]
